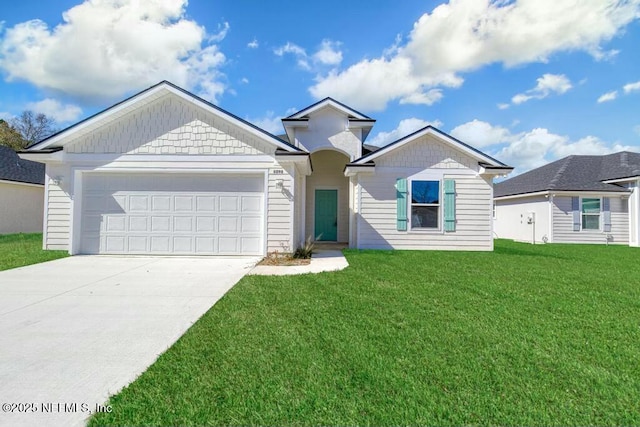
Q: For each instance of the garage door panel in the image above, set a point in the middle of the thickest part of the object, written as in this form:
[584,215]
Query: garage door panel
[228,204]
[251,204]
[228,245]
[205,224]
[138,244]
[183,224]
[160,223]
[159,244]
[138,203]
[205,245]
[228,224]
[115,223]
[138,223]
[205,204]
[160,203]
[182,244]
[183,203]
[250,224]
[172,214]
[114,244]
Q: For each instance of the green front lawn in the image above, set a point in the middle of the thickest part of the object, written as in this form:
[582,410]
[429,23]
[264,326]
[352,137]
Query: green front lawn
[17,250]
[526,335]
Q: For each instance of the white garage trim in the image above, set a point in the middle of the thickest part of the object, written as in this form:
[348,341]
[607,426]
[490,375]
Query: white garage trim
[80,188]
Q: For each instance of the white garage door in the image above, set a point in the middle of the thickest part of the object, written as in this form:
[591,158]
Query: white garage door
[172,214]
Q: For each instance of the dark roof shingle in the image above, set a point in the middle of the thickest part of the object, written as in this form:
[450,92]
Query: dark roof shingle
[13,168]
[574,173]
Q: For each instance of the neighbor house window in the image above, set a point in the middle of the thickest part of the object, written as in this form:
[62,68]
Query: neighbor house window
[590,214]
[425,204]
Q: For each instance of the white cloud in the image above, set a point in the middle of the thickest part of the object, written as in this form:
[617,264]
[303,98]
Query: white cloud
[6,116]
[328,53]
[464,35]
[480,134]
[61,113]
[546,85]
[530,149]
[269,122]
[609,96]
[631,87]
[244,80]
[253,44]
[106,48]
[428,98]
[405,127]
[504,106]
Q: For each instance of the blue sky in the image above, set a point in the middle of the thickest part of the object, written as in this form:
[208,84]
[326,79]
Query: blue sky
[526,81]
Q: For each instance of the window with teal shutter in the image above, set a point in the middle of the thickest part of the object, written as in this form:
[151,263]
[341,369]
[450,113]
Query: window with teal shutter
[401,195]
[449,205]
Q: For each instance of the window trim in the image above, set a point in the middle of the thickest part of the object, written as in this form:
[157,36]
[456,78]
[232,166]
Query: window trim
[439,205]
[599,214]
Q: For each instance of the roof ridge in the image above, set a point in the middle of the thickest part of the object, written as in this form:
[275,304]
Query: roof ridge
[556,178]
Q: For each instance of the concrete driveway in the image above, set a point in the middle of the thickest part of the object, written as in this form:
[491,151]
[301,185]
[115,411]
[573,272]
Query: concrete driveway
[76,330]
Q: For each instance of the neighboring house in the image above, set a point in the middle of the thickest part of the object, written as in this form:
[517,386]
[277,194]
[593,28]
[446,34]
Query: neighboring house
[165,172]
[21,193]
[578,199]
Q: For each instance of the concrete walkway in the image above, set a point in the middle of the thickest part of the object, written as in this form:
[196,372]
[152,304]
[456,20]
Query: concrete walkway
[75,330]
[322,260]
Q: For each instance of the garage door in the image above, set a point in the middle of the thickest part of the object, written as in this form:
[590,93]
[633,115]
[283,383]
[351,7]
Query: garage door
[172,214]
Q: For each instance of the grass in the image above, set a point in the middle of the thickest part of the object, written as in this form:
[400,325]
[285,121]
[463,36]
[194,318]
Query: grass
[526,335]
[18,250]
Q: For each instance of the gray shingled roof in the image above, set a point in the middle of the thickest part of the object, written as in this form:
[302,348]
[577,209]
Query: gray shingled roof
[574,173]
[13,168]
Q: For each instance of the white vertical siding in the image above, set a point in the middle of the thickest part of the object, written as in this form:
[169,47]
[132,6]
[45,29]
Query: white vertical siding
[563,223]
[511,219]
[279,211]
[58,201]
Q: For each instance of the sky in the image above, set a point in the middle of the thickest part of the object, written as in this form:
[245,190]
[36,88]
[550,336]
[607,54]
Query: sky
[525,81]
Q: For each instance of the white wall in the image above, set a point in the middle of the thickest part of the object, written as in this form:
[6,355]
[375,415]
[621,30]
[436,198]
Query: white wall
[376,219]
[511,219]
[326,129]
[21,208]
[170,125]
[328,167]
[563,223]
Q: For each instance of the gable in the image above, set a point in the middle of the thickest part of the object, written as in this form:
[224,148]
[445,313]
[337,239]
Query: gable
[427,152]
[329,128]
[170,125]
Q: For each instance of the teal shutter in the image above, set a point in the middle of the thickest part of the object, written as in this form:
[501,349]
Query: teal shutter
[401,195]
[449,205]
[575,207]
[606,214]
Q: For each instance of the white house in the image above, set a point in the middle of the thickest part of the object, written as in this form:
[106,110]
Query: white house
[165,172]
[21,193]
[577,199]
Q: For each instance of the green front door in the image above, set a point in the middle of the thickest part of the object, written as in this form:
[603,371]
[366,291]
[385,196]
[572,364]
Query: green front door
[326,222]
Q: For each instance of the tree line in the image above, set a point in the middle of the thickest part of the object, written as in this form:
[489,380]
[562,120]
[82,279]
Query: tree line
[26,129]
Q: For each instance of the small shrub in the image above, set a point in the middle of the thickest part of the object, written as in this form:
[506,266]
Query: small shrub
[305,251]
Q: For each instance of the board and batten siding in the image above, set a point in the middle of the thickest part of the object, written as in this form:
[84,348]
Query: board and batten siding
[280,206]
[58,208]
[563,223]
[377,225]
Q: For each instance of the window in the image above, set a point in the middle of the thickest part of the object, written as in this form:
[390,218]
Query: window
[590,214]
[425,204]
